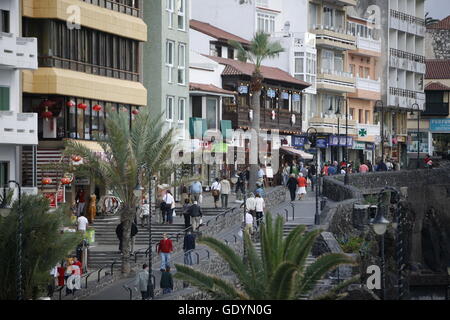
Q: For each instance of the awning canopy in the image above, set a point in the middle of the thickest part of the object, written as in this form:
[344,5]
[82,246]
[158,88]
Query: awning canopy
[299,153]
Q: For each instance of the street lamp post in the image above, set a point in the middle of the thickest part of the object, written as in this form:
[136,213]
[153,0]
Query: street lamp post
[379,102]
[338,114]
[3,206]
[138,193]
[346,143]
[312,140]
[418,132]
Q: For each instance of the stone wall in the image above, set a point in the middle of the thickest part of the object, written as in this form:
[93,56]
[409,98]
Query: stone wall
[437,44]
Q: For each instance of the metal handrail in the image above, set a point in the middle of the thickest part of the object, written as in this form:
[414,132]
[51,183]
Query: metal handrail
[87,277]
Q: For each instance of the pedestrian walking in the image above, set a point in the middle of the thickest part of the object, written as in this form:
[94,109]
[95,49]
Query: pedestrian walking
[259,208]
[301,182]
[141,282]
[240,185]
[188,246]
[248,222]
[215,191]
[170,206]
[196,213]
[364,168]
[312,171]
[165,248]
[285,173]
[166,282]
[196,190]
[82,223]
[81,201]
[250,204]
[144,213]
[185,210]
[225,192]
[292,186]
[260,190]
[119,234]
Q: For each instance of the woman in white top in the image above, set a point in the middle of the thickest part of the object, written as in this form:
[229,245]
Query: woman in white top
[144,212]
[170,205]
[250,204]
[259,207]
[215,191]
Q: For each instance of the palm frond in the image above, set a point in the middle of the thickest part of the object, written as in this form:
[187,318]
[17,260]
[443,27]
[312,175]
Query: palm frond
[282,283]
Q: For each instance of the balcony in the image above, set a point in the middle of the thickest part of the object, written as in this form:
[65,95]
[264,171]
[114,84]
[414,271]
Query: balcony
[343,2]
[407,61]
[329,125]
[404,99]
[368,46]
[407,23]
[333,37]
[367,89]
[17,52]
[436,109]
[18,128]
[338,81]
[117,6]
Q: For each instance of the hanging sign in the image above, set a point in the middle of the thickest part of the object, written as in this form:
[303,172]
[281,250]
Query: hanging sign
[271,93]
[243,89]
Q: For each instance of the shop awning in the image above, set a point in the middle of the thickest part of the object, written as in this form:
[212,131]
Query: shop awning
[299,153]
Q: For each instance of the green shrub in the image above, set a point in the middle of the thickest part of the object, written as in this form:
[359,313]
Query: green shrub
[352,245]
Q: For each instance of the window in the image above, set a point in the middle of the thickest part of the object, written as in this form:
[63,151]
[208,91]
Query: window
[170,57]
[327,61]
[313,9]
[4,98]
[360,116]
[328,18]
[230,53]
[4,21]
[181,109]
[366,72]
[367,117]
[169,108]
[352,69]
[266,23]
[361,72]
[170,10]
[4,173]
[339,62]
[182,64]
[333,18]
[181,14]
[211,113]
[299,68]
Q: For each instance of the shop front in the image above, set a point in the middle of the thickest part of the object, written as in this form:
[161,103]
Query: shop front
[440,138]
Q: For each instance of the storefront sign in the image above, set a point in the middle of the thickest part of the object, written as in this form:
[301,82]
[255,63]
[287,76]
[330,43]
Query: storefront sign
[271,93]
[285,95]
[298,141]
[401,139]
[370,146]
[340,141]
[440,125]
[82,181]
[357,145]
[295,97]
[243,89]
[322,143]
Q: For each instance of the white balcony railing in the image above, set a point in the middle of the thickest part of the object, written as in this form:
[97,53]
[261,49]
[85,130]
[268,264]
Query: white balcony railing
[368,84]
[406,98]
[368,44]
[18,128]
[337,73]
[18,52]
[407,23]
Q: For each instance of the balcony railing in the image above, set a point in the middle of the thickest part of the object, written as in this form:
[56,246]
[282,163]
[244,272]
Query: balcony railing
[368,44]
[406,98]
[407,23]
[343,74]
[436,109]
[117,5]
[340,34]
[18,128]
[368,84]
[18,52]
[58,62]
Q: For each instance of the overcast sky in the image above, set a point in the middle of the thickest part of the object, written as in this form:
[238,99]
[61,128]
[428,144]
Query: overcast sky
[438,9]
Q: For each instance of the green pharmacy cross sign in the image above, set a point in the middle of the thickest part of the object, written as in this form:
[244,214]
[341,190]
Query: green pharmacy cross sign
[362,132]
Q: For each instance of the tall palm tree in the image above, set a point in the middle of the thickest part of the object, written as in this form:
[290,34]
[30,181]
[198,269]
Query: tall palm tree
[128,154]
[278,274]
[429,20]
[260,49]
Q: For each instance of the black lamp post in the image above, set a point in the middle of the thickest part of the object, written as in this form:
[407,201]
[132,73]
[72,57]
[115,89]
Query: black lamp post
[138,193]
[418,132]
[377,104]
[312,140]
[338,114]
[4,209]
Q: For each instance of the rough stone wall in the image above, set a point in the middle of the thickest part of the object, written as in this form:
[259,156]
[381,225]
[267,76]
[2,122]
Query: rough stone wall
[437,44]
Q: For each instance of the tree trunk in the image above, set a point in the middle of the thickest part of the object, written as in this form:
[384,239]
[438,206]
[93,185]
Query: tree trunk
[127,217]
[256,86]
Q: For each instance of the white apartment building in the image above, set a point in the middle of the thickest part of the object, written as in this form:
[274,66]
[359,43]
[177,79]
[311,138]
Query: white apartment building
[17,129]
[284,20]
[402,69]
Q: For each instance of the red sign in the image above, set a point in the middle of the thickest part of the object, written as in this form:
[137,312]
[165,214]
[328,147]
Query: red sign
[55,197]
[51,196]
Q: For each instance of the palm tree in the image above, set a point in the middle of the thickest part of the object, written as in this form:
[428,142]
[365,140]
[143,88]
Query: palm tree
[129,153]
[429,20]
[278,274]
[260,49]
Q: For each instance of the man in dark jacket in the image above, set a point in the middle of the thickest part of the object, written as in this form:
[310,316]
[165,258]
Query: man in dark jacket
[292,186]
[196,213]
[119,233]
[188,245]
[166,282]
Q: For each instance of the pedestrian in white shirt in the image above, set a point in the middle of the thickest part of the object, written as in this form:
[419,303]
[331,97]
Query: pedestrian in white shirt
[259,208]
[170,205]
[215,191]
[82,223]
[249,223]
[250,204]
[225,187]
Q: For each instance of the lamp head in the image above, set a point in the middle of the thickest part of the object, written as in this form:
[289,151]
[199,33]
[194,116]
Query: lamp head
[138,191]
[379,224]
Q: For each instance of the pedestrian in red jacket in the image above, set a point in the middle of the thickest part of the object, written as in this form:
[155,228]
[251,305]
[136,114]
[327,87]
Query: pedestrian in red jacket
[165,248]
